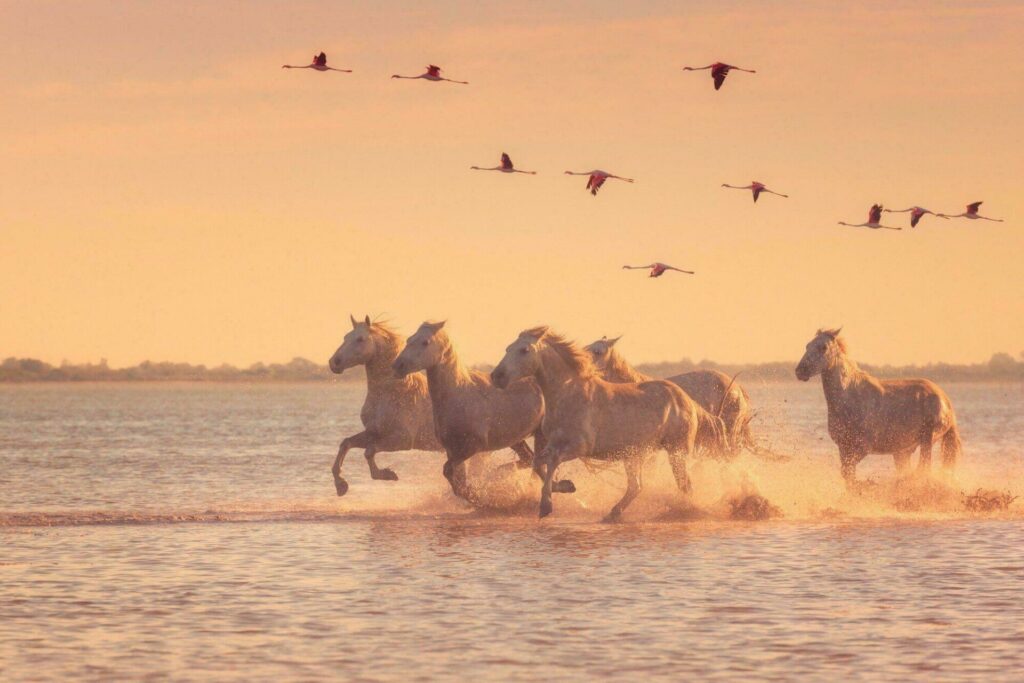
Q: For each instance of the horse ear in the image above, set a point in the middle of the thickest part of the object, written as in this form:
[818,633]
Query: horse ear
[538,332]
[611,342]
[434,327]
[353,319]
[367,321]
[834,333]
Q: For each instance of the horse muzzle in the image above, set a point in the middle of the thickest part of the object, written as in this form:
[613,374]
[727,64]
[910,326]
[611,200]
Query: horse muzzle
[499,377]
[400,368]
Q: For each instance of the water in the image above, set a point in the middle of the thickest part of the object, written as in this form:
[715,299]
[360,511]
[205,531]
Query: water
[192,531]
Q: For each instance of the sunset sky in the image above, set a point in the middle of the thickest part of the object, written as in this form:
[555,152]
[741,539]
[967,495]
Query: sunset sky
[168,192]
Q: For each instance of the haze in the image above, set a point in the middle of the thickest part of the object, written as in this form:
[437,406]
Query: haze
[169,192]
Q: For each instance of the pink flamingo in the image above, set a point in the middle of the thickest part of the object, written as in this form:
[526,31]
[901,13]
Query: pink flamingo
[719,70]
[319,63]
[658,269]
[916,213]
[433,73]
[506,166]
[874,216]
[597,179]
[972,213]
[756,188]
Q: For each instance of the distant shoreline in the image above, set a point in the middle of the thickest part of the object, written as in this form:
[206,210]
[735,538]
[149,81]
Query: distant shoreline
[1002,367]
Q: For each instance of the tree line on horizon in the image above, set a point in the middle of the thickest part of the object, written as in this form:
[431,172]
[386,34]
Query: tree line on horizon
[1000,367]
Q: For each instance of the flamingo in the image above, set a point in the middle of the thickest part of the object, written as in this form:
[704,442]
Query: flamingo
[916,213]
[433,73]
[756,188]
[874,216]
[719,70]
[597,179]
[506,166]
[972,213]
[319,63]
[658,269]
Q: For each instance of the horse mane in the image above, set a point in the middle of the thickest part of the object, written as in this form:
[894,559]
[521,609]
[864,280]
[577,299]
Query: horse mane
[573,356]
[618,367]
[835,337]
[844,359]
[390,335]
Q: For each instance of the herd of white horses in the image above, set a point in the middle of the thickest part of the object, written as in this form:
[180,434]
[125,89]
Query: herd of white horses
[588,402]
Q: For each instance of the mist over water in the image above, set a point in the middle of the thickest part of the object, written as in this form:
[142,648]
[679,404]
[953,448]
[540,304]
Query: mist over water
[186,529]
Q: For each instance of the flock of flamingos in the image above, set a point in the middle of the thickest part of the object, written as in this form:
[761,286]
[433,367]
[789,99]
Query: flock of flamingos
[596,178]
[589,403]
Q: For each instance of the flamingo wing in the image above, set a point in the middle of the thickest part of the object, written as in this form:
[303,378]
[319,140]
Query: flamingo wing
[757,192]
[321,59]
[719,72]
[595,182]
[506,162]
[875,214]
[973,208]
[914,218]
[434,70]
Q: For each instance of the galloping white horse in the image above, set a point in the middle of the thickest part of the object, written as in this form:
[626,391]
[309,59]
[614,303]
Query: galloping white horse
[471,415]
[396,414]
[587,417]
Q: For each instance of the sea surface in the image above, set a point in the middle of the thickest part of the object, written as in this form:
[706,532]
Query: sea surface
[192,531]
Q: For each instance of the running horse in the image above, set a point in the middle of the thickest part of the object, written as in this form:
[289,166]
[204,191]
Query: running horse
[471,415]
[588,417]
[396,414]
[720,398]
[869,415]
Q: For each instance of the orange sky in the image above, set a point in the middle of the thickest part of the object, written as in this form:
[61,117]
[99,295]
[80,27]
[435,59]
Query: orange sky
[168,192]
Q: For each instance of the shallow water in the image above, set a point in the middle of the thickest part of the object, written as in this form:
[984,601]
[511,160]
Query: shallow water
[186,531]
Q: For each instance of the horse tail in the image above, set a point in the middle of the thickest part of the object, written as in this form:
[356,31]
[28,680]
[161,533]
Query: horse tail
[951,446]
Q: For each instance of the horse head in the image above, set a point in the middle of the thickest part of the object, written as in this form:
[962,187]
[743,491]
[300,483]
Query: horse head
[423,350]
[822,353]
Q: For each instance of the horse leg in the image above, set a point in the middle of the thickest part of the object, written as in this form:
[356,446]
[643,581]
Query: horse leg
[633,467]
[525,454]
[951,447]
[924,462]
[848,461]
[455,472]
[551,459]
[677,459]
[539,445]
[385,473]
[902,460]
[360,440]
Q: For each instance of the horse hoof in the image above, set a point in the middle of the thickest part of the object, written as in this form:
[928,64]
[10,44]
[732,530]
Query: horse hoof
[612,517]
[341,486]
[564,486]
[387,474]
[545,508]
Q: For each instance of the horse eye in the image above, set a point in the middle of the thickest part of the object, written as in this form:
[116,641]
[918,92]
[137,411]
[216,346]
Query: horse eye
[426,342]
[599,352]
[523,351]
[361,339]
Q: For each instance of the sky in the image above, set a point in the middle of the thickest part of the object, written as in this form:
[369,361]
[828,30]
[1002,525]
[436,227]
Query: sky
[168,192]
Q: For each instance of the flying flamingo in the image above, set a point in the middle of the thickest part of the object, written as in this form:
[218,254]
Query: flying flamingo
[756,188]
[972,213]
[506,166]
[719,71]
[874,216]
[319,63]
[916,213]
[433,73]
[658,269]
[597,179]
